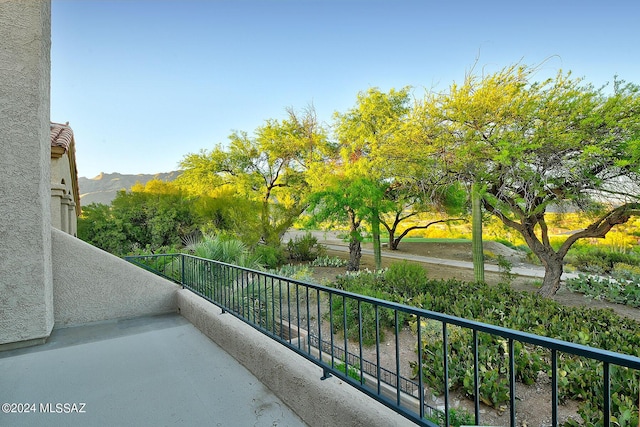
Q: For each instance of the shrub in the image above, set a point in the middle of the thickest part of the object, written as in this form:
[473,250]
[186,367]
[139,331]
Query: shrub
[296,272]
[230,251]
[305,248]
[505,266]
[405,278]
[325,261]
[269,257]
[354,372]
[457,418]
[370,284]
[591,259]
[622,288]
[579,378]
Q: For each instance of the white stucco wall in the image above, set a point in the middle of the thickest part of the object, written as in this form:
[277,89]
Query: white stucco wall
[26,285]
[92,285]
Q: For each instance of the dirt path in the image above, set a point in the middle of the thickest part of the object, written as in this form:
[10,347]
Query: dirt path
[453,261]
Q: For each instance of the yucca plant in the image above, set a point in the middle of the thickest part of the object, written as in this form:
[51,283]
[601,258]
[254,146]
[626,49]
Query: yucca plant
[227,250]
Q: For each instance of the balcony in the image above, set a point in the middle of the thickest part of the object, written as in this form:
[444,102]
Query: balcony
[137,349]
[230,346]
[156,370]
[342,333]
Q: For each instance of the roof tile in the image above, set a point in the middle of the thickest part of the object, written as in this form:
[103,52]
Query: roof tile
[61,135]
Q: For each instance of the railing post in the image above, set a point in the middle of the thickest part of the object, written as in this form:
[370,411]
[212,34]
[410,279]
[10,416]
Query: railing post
[182,269]
[325,374]
[512,383]
[606,379]
[445,346]
[554,387]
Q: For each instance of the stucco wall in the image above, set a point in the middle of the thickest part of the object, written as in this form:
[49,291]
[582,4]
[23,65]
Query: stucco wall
[26,286]
[292,378]
[92,285]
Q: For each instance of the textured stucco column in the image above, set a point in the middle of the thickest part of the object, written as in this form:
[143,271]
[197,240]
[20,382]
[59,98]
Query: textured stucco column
[64,213]
[26,283]
[57,193]
[73,220]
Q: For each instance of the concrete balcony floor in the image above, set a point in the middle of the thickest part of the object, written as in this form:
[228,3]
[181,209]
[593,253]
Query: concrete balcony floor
[151,371]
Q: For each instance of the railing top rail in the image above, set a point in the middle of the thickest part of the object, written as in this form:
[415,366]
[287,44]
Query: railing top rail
[525,337]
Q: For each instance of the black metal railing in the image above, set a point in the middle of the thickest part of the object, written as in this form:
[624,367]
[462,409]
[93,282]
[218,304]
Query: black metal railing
[302,315]
[388,377]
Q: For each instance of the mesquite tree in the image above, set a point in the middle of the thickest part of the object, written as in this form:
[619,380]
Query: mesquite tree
[558,144]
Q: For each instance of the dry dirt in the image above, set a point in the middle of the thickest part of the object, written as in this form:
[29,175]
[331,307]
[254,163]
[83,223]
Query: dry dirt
[533,401]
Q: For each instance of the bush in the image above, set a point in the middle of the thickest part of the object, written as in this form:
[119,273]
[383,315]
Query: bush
[596,260]
[325,261]
[269,257]
[227,250]
[370,284]
[305,248]
[622,288]
[296,272]
[405,279]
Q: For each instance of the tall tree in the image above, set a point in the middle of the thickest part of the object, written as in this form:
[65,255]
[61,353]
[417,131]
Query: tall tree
[368,135]
[349,200]
[268,168]
[411,197]
[559,143]
[417,181]
[147,217]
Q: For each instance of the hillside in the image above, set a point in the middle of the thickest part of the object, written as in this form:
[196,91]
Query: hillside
[103,188]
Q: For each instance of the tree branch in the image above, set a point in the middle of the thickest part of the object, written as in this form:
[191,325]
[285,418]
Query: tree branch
[603,225]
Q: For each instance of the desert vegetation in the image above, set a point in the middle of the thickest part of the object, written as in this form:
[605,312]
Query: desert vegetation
[550,168]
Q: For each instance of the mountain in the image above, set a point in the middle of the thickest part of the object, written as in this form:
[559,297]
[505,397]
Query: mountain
[103,188]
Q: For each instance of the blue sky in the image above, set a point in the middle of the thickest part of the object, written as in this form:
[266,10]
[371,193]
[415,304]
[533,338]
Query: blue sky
[144,83]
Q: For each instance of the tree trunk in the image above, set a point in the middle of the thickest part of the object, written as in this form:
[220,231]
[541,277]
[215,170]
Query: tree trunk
[552,274]
[393,244]
[476,234]
[355,249]
[355,253]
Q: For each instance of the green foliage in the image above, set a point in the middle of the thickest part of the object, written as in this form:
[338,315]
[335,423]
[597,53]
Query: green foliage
[297,272]
[622,288]
[98,226]
[149,217]
[270,257]
[505,266]
[598,260]
[327,261]
[579,378]
[400,283]
[354,372]
[268,169]
[457,418]
[533,145]
[405,279]
[364,283]
[305,248]
[227,250]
